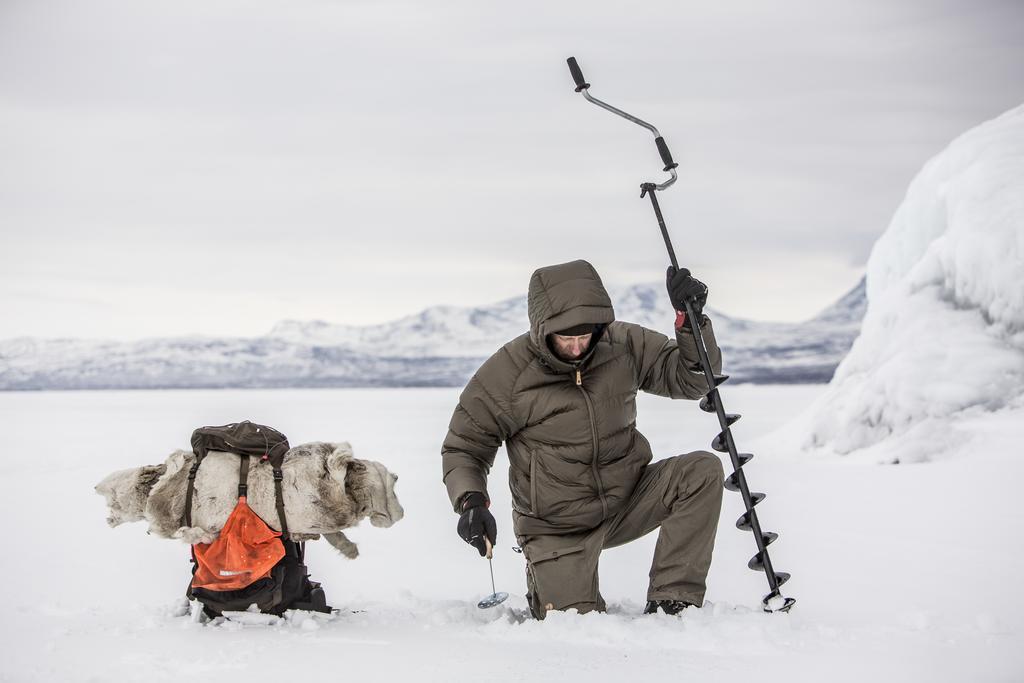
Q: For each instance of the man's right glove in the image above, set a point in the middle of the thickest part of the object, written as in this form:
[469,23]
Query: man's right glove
[477,522]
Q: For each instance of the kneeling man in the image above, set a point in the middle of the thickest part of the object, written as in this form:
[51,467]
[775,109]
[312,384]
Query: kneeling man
[563,400]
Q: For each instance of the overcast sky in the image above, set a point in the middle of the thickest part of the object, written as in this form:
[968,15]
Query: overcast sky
[216,166]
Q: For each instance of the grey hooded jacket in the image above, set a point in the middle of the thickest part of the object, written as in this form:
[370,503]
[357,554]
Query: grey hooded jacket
[569,427]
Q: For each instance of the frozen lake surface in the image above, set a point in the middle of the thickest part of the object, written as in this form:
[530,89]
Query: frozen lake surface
[907,572]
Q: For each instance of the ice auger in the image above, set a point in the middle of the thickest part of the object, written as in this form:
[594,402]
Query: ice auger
[712,402]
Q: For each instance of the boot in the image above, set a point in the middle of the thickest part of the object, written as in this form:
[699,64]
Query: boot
[318,601]
[667,606]
[315,601]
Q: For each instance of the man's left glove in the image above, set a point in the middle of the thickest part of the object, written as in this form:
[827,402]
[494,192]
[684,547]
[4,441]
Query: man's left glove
[684,287]
[477,522]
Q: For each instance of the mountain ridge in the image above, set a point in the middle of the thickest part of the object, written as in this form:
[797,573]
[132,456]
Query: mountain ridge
[439,346]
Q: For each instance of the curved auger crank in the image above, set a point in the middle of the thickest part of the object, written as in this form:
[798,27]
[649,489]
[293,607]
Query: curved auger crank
[712,402]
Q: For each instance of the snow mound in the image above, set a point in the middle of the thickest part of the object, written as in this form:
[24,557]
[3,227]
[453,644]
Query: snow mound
[943,336]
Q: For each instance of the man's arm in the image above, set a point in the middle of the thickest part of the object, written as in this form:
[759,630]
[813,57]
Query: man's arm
[663,365]
[478,427]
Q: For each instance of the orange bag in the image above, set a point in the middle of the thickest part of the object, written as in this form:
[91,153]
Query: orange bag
[245,552]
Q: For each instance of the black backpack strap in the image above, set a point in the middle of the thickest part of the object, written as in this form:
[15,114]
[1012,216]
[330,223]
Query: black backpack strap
[275,455]
[190,489]
[243,476]
[279,496]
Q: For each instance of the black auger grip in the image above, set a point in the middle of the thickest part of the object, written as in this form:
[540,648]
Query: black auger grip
[666,156]
[577,75]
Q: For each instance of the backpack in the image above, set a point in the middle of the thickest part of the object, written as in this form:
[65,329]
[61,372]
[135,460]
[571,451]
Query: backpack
[250,563]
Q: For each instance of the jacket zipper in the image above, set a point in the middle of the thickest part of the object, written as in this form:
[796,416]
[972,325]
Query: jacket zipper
[593,437]
[533,484]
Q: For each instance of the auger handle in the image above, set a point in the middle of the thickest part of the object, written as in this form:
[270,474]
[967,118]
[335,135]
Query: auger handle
[666,156]
[577,74]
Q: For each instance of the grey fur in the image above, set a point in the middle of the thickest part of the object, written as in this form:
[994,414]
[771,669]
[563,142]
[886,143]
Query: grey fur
[340,542]
[325,490]
[126,492]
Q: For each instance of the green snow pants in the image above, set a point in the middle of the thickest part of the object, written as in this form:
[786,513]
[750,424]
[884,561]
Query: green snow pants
[682,495]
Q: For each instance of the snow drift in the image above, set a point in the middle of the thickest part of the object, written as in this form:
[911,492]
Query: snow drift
[942,340]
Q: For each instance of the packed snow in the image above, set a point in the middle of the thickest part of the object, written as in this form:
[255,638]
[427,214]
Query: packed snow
[941,350]
[900,573]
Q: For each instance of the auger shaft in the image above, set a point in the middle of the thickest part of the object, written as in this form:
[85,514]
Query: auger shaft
[712,402]
[740,478]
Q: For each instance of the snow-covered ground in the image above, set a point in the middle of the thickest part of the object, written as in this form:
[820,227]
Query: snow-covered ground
[902,573]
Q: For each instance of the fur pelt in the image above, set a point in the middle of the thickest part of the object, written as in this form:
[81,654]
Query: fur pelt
[325,491]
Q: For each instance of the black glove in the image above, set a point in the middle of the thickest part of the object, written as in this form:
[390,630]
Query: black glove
[477,522]
[684,287]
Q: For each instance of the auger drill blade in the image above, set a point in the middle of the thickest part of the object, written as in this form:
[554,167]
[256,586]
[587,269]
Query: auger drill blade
[757,562]
[744,458]
[731,419]
[732,482]
[719,379]
[781,578]
[707,404]
[768,537]
[743,523]
[719,444]
[771,602]
[756,498]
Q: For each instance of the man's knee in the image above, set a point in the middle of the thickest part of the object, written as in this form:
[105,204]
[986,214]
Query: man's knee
[709,465]
[700,465]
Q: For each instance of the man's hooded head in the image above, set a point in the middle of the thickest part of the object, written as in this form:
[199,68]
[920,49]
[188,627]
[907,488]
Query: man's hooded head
[568,299]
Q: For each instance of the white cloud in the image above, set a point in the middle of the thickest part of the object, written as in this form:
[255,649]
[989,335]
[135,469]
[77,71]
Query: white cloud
[355,161]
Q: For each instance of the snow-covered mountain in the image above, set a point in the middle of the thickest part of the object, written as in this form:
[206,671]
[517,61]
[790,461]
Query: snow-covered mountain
[940,360]
[441,346]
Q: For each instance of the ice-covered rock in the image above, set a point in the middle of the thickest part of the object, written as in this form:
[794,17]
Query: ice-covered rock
[943,337]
